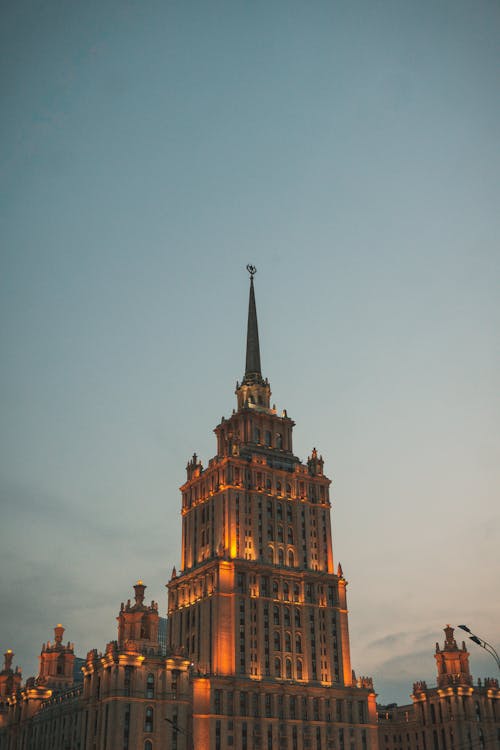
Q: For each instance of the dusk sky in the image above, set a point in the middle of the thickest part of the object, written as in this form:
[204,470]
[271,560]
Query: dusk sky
[348,149]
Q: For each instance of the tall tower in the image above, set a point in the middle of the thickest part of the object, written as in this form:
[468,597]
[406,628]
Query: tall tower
[257,606]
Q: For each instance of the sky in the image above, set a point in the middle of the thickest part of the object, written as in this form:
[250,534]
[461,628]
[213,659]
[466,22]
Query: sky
[350,151]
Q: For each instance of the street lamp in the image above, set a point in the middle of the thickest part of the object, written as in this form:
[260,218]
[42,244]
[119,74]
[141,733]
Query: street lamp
[481,642]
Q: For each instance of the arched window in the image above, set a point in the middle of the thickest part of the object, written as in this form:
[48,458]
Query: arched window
[278,488]
[298,644]
[277,640]
[288,642]
[270,553]
[277,667]
[288,669]
[279,440]
[148,745]
[296,592]
[290,535]
[268,484]
[275,588]
[279,508]
[148,719]
[297,618]
[150,686]
[286,617]
[288,490]
[280,533]
[286,591]
[291,559]
[276,615]
[299,669]
[281,557]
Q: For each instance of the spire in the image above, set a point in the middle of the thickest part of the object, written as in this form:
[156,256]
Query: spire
[252,367]
[254,392]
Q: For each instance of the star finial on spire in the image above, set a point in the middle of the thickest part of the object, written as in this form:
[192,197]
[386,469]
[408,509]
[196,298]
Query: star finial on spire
[252,270]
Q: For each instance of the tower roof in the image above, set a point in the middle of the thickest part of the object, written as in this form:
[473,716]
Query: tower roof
[253,372]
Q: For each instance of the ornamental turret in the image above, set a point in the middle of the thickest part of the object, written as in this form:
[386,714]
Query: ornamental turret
[452,662]
[138,622]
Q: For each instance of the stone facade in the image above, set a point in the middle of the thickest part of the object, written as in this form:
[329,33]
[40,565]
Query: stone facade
[455,715]
[258,652]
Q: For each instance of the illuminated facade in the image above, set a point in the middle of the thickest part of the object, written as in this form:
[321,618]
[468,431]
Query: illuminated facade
[131,697]
[455,715]
[256,651]
[258,607]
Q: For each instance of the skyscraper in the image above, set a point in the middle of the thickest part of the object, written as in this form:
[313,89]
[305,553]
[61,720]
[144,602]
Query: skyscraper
[258,606]
[256,650]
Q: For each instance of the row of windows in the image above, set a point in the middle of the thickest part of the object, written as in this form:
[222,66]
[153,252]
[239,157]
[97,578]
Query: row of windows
[279,706]
[289,591]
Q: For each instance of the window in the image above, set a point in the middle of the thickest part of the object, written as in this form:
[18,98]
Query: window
[298,644]
[148,720]
[243,704]
[175,674]
[150,686]
[148,745]
[286,617]
[315,709]
[276,615]
[288,490]
[277,667]
[268,705]
[281,557]
[288,667]
[280,533]
[288,642]
[299,669]
[286,591]
[290,535]
[291,559]
[277,641]
[297,618]
[268,437]
[279,441]
[255,704]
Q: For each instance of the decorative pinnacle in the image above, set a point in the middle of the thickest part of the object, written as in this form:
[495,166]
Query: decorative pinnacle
[251,270]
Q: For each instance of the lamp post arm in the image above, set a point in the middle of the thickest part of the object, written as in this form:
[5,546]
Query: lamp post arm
[489,648]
